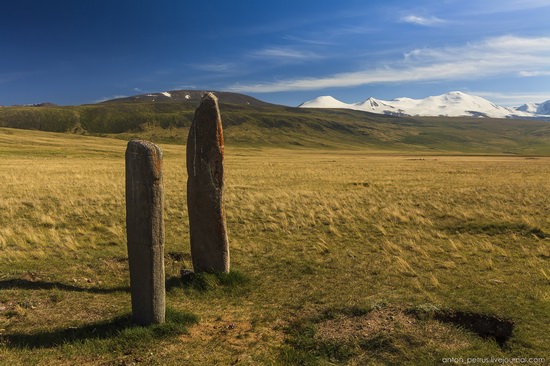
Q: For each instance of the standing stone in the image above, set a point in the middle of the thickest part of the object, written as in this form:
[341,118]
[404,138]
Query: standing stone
[145,231]
[209,244]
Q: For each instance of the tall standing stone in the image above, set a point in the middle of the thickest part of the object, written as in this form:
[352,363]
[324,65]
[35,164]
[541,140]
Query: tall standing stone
[205,183]
[145,231]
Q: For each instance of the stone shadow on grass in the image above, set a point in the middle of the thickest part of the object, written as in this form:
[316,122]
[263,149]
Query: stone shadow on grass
[44,285]
[121,330]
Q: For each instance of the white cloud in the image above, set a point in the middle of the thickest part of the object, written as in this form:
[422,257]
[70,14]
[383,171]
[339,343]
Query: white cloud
[414,19]
[506,55]
[498,6]
[311,40]
[513,99]
[533,73]
[186,86]
[109,98]
[285,53]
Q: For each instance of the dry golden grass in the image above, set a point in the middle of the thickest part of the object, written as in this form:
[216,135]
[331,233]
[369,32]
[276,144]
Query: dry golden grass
[312,230]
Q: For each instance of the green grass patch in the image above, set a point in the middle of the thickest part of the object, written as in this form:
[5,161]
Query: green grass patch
[233,282]
[112,335]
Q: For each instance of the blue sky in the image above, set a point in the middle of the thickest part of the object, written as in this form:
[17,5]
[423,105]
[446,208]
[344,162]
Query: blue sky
[74,52]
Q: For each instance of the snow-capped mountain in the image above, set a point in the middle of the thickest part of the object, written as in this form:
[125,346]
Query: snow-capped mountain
[452,104]
[528,107]
[324,102]
[544,108]
[536,108]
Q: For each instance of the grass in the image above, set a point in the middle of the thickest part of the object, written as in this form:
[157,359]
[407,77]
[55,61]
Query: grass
[88,343]
[321,240]
[120,333]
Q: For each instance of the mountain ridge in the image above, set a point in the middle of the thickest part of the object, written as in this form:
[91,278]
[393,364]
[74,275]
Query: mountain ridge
[191,96]
[536,108]
[451,104]
[167,120]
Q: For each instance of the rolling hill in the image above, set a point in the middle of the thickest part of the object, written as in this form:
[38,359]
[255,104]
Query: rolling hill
[189,96]
[166,117]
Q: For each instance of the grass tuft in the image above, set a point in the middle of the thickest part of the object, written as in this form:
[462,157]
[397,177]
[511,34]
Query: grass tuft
[204,282]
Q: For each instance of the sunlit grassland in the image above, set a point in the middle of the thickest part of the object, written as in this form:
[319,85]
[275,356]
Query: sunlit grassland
[311,231]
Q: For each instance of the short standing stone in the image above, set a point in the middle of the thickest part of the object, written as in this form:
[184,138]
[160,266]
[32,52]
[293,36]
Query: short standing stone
[145,231]
[205,183]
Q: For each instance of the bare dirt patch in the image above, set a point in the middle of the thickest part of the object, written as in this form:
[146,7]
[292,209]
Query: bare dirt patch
[390,323]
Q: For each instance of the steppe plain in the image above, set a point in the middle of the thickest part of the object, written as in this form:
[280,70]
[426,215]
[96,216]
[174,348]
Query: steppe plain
[342,252]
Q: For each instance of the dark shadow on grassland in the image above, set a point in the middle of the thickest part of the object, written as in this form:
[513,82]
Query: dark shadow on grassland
[233,282]
[44,285]
[196,281]
[122,331]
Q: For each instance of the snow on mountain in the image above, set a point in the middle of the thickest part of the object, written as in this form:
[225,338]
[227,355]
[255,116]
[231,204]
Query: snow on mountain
[543,108]
[528,107]
[452,104]
[539,109]
[325,102]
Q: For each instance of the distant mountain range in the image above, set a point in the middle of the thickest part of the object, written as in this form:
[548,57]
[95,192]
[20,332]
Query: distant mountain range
[536,108]
[452,104]
[166,116]
[190,96]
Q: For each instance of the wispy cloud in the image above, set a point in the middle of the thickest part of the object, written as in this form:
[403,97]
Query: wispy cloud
[331,35]
[179,86]
[533,73]
[506,55]
[418,20]
[109,98]
[498,6]
[12,76]
[311,40]
[353,30]
[285,54]
[222,67]
[501,7]
[513,99]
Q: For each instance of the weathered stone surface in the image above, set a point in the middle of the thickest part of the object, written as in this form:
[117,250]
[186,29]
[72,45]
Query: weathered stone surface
[145,231]
[205,183]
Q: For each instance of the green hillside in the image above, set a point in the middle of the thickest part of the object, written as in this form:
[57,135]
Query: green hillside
[248,121]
